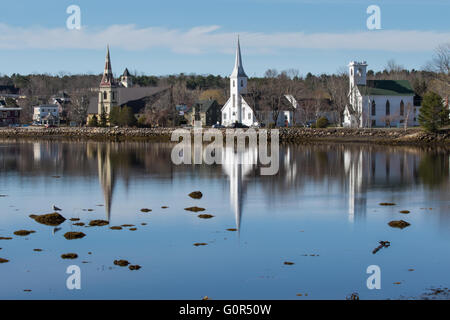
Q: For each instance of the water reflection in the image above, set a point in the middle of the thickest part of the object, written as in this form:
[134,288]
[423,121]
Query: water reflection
[237,165]
[353,170]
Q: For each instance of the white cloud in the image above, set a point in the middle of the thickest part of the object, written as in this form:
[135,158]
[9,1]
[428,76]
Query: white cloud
[204,39]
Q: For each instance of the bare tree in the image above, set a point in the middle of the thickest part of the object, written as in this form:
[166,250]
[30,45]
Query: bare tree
[337,87]
[79,106]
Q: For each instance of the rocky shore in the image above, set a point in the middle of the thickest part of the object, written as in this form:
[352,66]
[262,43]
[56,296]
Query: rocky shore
[411,136]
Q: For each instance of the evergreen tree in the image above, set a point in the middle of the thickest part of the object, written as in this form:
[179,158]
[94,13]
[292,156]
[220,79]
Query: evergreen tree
[127,117]
[93,122]
[433,114]
[114,116]
[103,118]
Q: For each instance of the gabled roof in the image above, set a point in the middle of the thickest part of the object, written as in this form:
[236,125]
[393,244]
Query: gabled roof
[386,88]
[128,96]
[203,105]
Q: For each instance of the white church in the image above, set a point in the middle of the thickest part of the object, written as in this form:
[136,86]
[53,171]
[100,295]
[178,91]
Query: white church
[378,103]
[236,109]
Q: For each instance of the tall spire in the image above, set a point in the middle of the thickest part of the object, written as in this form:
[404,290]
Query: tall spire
[238,70]
[108,78]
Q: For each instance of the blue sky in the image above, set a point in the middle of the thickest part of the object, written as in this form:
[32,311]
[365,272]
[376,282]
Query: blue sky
[198,36]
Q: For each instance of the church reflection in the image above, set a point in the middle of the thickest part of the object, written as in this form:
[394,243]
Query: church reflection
[106,176]
[237,165]
[356,191]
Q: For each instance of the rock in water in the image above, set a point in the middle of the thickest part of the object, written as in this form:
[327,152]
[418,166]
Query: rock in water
[51,219]
[74,235]
[23,233]
[135,267]
[195,209]
[121,263]
[196,195]
[205,216]
[98,223]
[399,224]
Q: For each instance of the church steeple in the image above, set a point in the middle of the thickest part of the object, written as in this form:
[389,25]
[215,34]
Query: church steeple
[238,70]
[108,93]
[108,78]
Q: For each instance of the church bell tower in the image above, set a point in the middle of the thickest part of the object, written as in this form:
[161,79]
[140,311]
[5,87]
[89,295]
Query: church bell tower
[108,88]
[238,85]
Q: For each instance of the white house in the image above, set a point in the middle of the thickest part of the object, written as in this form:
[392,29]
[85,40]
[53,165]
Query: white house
[46,115]
[378,103]
[285,115]
[236,109]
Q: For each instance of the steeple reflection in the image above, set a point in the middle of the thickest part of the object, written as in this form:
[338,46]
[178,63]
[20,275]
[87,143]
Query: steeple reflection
[237,165]
[106,175]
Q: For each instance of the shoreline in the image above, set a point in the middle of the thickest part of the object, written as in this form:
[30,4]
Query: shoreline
[386,136]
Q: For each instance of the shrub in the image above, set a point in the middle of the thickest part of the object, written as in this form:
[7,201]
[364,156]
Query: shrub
[321,122]
[93,122]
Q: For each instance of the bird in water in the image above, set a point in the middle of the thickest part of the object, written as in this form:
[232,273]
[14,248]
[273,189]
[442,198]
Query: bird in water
[56,208]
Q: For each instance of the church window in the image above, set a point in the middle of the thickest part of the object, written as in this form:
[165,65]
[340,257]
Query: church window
[388,108]
[374,108]
[105,95]
[249,116]
[224,116]
[234,100]
[234,83]
[402,108]
[242,83]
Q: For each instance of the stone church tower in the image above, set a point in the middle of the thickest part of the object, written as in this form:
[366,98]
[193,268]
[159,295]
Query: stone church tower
[238,84]
[108,93]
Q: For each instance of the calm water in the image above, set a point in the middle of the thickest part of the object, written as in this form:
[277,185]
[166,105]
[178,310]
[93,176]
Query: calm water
[321,212]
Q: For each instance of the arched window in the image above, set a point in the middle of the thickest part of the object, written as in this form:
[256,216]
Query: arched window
[402,108]
[388,108]
[234,83]
[242,83]
[374,108]
[105,95]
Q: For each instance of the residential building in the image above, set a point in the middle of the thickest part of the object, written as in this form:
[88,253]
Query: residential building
[9,116]
[206,111]
[46,115]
